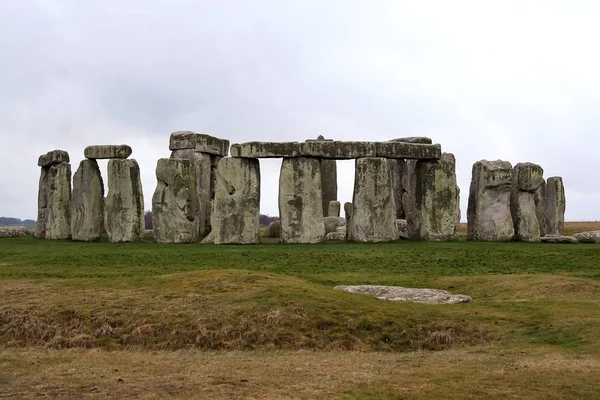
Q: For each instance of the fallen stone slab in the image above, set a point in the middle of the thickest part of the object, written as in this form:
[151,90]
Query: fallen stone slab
[265,149]
[333,223]
[53,157]
[559,239]
[397,293]
[200,142]
[588,237]
[107,151]
[407,150]
[337,236]
[13,231]
[339,150]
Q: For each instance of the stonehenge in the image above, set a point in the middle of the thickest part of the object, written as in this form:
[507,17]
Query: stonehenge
[174,217]
[236,211]
[488,213]
[527,179]
[208,191]
[373,216]
[300,202]
[436,213]
[87,203]
[124,203]
[54,196]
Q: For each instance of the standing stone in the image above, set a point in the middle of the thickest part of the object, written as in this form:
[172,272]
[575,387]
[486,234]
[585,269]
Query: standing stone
[373,207]
[347,214]
[488,214]
[300,202]
[201,163]
[273,230]
[42,217]
[58,209]
[527,178]
[403,172]
[437,206]
[333,209]
[214,163]
[124,204]
[174,202]
[236,210]
[328,178]
[87,205]
[540,208]
[555,205]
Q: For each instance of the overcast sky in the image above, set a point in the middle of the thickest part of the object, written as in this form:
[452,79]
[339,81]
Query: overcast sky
[512,80]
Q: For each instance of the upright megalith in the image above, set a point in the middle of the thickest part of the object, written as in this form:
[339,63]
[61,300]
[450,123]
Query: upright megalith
[373,217]
[527,178]
[488,214]
[174,216]
[555,205]
[236,209]
[540,208]
[300,202]
[404,180]
[87,204]
[328,178]
[124,204]
[201,164]
[54,196]
[333,210]
[437,205]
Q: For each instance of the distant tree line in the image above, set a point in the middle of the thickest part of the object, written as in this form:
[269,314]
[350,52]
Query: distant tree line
[10,221]
[263,219]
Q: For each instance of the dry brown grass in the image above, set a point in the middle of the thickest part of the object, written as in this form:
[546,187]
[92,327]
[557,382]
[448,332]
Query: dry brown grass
[482,372]
[571,227]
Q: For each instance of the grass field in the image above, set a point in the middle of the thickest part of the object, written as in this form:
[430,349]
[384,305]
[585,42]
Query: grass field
[199,321]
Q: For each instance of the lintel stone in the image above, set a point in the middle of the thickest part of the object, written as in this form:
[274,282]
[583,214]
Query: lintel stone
[107,151]
[340,150]
[53,157]
[408,150]
[265,150]
[200,142]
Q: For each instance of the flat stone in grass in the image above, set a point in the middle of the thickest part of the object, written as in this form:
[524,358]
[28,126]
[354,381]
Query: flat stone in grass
[559,239]
[588,237]
[397,293]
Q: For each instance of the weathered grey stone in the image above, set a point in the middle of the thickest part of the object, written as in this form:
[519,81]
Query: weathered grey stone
[527,178]
[402,227]
[53,157]
[273,230]
[374,209]
[43,193]
[588,237]
[333,209]
[124,203]
[559,239]
[338,236]
[414,139]
[347,214]
[397,293]
[56,218]
[300,202]
[199,142]
[87,203]
[13,231]
[437,204]
[488,214]
[333,223]
[107,151]
[212,145]
[341,229]
[265,149]
[174,202]
[209,239]
[181,140]
[202,164]
[404,150]
[235,217]
[214,162]
[337,149]
[405,186]
[540,208]
[555,205]
[328,182]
